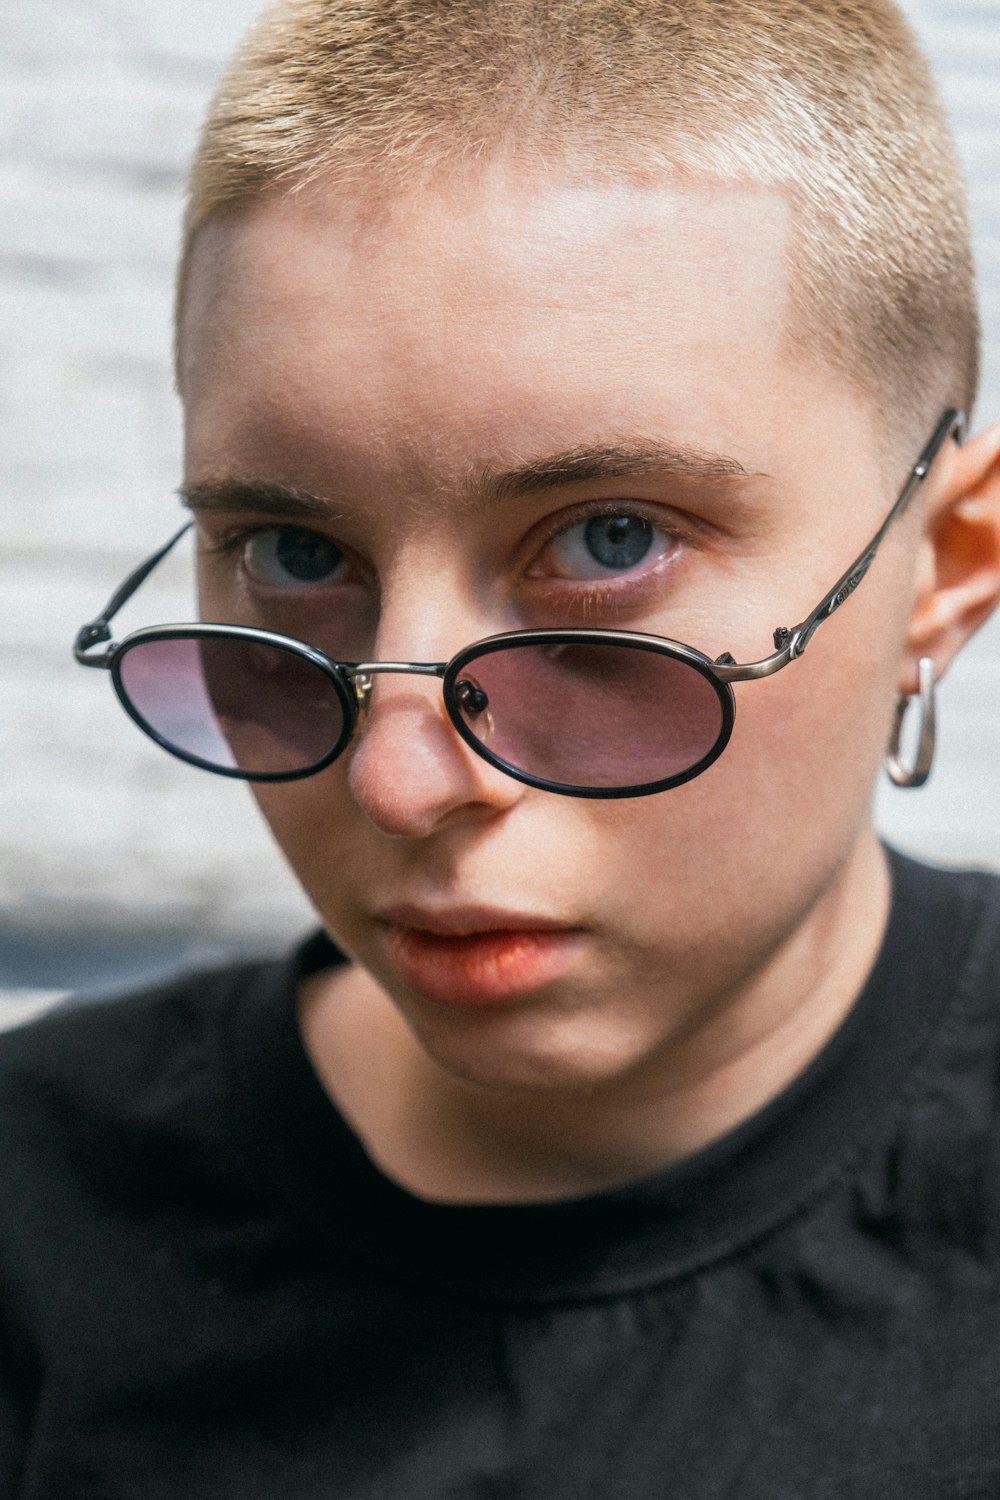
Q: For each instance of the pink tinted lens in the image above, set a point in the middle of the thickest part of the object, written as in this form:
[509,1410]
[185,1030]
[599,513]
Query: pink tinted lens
[234,704]
[605,715]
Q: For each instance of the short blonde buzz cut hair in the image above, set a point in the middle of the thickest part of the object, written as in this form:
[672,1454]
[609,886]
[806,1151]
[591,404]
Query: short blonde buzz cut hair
[829,100]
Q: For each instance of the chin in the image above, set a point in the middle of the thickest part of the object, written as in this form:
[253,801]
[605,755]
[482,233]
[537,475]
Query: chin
[521,1049]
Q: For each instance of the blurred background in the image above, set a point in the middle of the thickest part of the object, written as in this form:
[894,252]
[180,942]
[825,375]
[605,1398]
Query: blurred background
[116,861]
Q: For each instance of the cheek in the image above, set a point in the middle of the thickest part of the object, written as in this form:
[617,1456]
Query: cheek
[769,821]
[310,820]
[810,743]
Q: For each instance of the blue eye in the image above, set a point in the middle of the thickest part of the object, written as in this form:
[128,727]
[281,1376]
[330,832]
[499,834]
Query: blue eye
[606,544]
[618,541]
[293,557]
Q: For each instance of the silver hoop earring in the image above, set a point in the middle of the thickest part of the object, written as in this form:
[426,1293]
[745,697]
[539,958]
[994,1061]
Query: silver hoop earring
[898,771]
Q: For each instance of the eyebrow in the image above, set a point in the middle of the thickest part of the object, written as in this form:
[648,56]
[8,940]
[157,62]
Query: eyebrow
[610,461]
[264,496]
[489,486]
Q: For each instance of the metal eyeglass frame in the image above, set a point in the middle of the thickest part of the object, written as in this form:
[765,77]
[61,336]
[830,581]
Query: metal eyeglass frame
[352,681]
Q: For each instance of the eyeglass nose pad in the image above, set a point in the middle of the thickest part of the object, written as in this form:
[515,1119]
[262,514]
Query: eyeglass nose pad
[474,702]
[362,685]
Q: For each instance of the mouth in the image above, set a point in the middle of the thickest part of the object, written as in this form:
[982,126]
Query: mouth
[476,956]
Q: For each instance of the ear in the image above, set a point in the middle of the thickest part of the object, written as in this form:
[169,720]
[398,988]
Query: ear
[958,575]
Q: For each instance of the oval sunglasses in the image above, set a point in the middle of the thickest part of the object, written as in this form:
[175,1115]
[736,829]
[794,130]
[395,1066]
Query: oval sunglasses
[583,713]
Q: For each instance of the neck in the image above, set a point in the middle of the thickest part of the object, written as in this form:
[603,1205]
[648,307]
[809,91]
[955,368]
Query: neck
[446,1139]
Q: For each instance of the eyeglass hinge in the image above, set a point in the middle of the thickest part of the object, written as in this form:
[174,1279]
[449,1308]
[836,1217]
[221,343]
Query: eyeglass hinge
[94,634]
[781,637]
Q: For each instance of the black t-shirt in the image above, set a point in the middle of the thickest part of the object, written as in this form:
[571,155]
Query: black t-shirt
[209,1292]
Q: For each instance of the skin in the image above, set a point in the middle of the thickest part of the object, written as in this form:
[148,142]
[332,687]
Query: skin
[382,358]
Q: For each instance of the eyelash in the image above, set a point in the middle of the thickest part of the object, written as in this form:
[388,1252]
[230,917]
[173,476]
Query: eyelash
[232,544]
[596,600]
[590,511]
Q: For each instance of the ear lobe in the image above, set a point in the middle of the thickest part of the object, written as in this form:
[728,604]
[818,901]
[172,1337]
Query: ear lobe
[959,571]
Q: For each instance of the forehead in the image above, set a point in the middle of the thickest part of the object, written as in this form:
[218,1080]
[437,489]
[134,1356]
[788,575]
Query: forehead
[509,311]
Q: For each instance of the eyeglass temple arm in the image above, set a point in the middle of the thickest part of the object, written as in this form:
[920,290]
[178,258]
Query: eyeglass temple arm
[97,632]
[792,643]
[788,643]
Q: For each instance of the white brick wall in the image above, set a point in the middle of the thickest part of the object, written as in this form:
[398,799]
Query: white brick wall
[100,101]
[99,104]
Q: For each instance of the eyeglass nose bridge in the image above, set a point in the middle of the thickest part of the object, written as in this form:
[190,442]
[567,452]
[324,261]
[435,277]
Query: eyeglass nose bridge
[360,675]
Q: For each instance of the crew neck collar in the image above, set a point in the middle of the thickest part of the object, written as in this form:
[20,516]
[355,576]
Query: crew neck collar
[659,1228]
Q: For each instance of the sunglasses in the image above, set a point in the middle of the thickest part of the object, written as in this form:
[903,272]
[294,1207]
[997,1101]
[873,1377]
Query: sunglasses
[583,713]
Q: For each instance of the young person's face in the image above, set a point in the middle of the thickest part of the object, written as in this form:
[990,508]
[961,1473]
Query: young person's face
[386,362]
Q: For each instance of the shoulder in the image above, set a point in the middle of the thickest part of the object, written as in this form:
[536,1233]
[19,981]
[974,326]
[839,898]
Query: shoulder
[943,980]
[941,961]
[108,1045]
[100,1095]
[934,883]
[951,912]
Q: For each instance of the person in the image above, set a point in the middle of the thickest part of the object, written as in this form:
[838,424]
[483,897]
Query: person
[574,444]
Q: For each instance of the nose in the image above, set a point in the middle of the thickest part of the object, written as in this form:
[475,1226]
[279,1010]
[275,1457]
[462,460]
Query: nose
[408,769]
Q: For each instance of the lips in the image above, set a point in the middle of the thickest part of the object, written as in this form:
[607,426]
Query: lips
[476,955]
